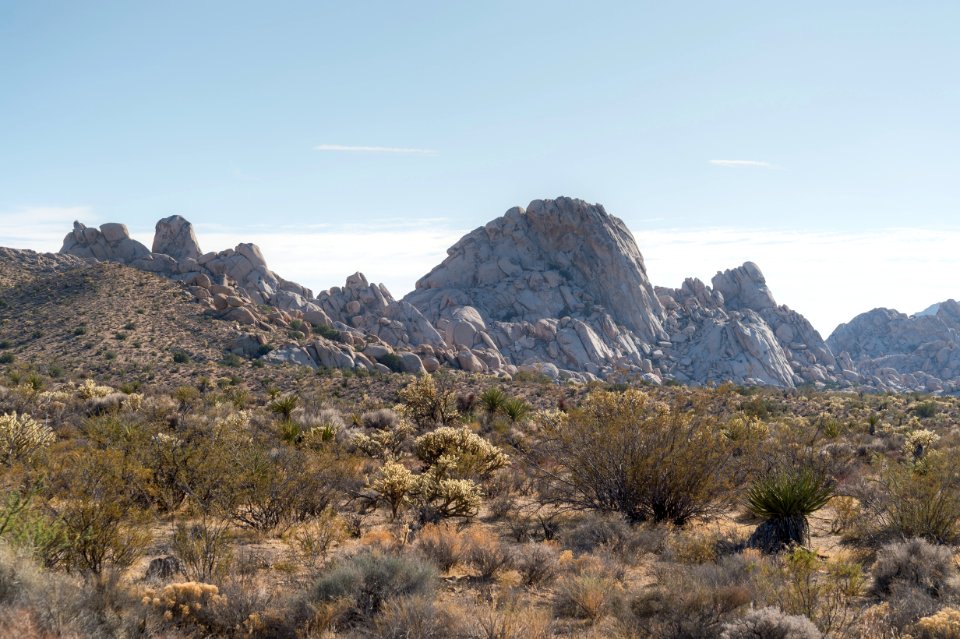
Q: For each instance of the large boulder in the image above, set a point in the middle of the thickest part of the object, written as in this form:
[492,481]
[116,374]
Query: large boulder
[175,237]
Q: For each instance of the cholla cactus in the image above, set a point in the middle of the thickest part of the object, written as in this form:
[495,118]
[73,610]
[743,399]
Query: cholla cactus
[394,485]
[944,624]
[89,389]
[190,603]
[386,443]
[470,453]
[918,442]
[21,437]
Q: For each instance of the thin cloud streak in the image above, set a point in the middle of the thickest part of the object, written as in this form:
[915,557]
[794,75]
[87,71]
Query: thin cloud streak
[755,164]
[41,228]
[396,150]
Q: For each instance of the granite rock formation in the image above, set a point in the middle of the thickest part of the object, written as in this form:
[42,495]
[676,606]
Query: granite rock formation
[894,351]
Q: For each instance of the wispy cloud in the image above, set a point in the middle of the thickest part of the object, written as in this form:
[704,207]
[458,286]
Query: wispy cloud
[396,150]
[41,228]
[754,164]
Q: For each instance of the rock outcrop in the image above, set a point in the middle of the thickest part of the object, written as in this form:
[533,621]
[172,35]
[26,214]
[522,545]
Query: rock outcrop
[175,237]
[894,351]
[562,283]
[558,289]
[363,323]
[736,331]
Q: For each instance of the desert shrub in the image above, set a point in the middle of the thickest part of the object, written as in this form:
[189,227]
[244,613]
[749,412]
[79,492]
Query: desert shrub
[366,581]
[510,620]
[693,601]
[203,548]
[785,498]
[914,563]
[770,623]
[943,624]
[537,563]
[274,491]
[380,419]
[442,544]
[595,531]
[97,508]
[911,501]
[800,583]
[586,596]
[392,361]
[925,410]
[22,437]
[316,537]
[622,453]
[328,331]
[30,527]
[485,553]
[429,402]
[420,617]
[469,454]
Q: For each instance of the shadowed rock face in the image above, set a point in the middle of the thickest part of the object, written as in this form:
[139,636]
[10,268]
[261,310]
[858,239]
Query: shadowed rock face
[900,352]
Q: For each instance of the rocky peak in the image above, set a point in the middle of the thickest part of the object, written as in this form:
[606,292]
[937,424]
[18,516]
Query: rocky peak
[553,259]
[744,287]
[175,237]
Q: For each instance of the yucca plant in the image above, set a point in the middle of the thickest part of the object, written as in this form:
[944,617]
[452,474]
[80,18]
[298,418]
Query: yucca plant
[516,409]
[785,498]
[283,406]
[493,399]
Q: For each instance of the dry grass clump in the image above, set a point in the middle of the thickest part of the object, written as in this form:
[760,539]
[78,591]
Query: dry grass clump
[442,544]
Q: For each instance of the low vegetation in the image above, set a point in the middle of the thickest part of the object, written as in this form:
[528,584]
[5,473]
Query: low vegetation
[277,502]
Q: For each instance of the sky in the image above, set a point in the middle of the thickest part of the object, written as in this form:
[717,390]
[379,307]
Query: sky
[817,139]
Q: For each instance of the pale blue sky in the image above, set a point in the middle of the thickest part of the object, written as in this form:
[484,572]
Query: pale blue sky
[130,111]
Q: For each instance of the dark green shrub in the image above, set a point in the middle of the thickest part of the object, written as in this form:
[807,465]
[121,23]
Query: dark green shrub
[231,360]
[925,410]
[393,362]
[181,357]
[7,358]
[328,331]
[785,498]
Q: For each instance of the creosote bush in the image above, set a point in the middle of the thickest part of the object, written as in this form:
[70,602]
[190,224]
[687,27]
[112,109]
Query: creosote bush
[624,453]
